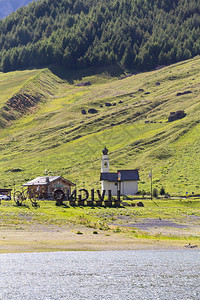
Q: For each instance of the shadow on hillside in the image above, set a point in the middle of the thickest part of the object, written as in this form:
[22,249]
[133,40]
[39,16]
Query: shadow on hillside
[71,75]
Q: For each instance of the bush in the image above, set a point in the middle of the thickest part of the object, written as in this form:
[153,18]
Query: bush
[162,191]
[141,192]
[155,193]
[79,232]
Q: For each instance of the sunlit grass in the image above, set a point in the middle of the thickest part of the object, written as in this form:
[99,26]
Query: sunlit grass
[59,138]
[117,220]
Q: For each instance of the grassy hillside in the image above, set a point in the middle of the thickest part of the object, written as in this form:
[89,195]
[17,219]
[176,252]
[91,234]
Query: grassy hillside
[53,134]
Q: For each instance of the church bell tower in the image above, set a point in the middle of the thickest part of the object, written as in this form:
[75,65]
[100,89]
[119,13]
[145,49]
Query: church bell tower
[105,161]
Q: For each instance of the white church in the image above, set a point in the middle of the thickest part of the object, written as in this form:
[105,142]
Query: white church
[124,180]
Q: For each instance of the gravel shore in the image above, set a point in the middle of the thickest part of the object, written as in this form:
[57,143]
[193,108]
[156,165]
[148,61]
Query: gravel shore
[55,238]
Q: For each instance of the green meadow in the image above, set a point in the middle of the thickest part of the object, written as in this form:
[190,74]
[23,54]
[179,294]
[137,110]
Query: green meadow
[55,135]
[124,220]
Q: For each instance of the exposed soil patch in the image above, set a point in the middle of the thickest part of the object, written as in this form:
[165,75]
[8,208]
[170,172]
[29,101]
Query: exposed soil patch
[40,237]
[56,239]
[22,102]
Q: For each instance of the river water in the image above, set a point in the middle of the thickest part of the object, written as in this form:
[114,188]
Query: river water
[140,274]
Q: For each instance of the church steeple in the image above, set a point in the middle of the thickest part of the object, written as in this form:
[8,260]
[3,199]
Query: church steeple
[105,151]
[105,161]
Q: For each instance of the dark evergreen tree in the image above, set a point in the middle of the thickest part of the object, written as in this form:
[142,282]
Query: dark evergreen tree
[137,34]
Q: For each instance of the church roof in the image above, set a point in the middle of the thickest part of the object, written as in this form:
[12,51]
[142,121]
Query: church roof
[121,175]
[109,176]
[127,175]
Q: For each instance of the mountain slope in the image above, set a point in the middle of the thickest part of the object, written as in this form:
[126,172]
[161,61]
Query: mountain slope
[60,134]
[9,6]
[137,35]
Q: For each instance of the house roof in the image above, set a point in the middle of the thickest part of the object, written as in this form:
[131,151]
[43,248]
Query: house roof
[46,180]
[121,175]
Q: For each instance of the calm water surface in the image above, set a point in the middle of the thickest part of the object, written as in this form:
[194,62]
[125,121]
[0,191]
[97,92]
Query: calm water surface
[101,275]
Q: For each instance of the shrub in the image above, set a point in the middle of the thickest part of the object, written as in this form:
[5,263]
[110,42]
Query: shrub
[155,193]
[141,192]
[162,191]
